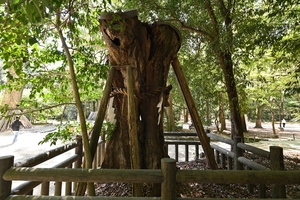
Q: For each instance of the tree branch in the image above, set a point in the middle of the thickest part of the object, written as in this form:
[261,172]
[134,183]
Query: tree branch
[188,28]
[213,18]
[28,111]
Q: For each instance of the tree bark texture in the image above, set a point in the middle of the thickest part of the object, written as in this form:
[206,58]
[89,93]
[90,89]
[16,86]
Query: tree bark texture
[149,49]
[259,109]
[222,113]
[226,64]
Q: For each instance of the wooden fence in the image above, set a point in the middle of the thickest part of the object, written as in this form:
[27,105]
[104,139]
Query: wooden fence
[168,176]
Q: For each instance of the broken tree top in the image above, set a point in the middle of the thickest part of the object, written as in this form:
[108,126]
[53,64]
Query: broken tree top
[124,15]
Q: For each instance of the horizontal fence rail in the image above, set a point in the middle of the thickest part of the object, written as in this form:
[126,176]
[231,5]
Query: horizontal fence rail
[40,158]
[168,177]
[153,176]
[70,170]
[84,175]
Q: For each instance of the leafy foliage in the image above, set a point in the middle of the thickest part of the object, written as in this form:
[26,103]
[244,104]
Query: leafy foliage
[31,45]
[258,28]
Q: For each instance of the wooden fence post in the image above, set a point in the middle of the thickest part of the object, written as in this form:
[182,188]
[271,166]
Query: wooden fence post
[102,148]
[277,163]
[78,163]
[79,151]
[168,187]
[45,188]
[237,153]
[6,162]
[68,186]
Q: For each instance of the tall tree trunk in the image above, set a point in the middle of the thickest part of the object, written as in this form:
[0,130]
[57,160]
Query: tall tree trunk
[273,122]
[244,123]
[225,60]
[224,56]
[208,116]
[149,49]
[78,103]
[259,109]
[186,115]
[222,114]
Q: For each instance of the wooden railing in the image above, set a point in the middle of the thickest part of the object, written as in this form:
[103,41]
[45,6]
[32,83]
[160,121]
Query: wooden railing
[74,161]
[230,160]
[224,157]
[168,176]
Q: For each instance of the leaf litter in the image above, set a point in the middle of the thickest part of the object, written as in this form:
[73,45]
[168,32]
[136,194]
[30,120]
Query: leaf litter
[197,190]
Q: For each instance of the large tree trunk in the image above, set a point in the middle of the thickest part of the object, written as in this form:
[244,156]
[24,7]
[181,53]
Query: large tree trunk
[226,64]
[149,49]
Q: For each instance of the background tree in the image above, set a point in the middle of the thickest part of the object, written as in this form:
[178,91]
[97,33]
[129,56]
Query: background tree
[60,56]
[220,29]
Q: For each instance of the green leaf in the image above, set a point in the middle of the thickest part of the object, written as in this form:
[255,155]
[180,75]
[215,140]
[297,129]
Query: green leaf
[32,40]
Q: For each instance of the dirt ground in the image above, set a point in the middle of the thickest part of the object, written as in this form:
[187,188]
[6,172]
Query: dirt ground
[288,139]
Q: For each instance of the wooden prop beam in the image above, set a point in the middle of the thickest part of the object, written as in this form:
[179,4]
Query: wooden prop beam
[102,110]
[194,114]
[81,187]
[133,135]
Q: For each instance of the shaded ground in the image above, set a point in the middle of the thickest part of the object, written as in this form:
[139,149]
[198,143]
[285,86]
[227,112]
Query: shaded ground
[289,139]
[196,190]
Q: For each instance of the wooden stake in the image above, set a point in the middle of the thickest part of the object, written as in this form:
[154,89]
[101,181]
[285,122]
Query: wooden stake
[133,136]
[194,114]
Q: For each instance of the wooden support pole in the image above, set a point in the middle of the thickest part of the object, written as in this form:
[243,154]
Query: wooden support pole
[6,162]
[223,161]
[102,150]
[81,187]
[68,187]
[176,152]
[79,152]
[229,164]
[250,187]
[45,188]
[168,168]
[133,135]
[186,153]
[196,152]
[217,156]
[194,113]
[57,188]
[101,111]
[277,163]
[262,191]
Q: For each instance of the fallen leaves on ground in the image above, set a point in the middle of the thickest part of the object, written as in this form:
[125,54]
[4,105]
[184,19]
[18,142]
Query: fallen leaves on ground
[197,190]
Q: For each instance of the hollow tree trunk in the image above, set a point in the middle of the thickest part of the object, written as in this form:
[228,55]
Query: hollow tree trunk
[149,49]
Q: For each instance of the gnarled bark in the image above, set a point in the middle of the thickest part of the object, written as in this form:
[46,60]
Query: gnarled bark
[150,50]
